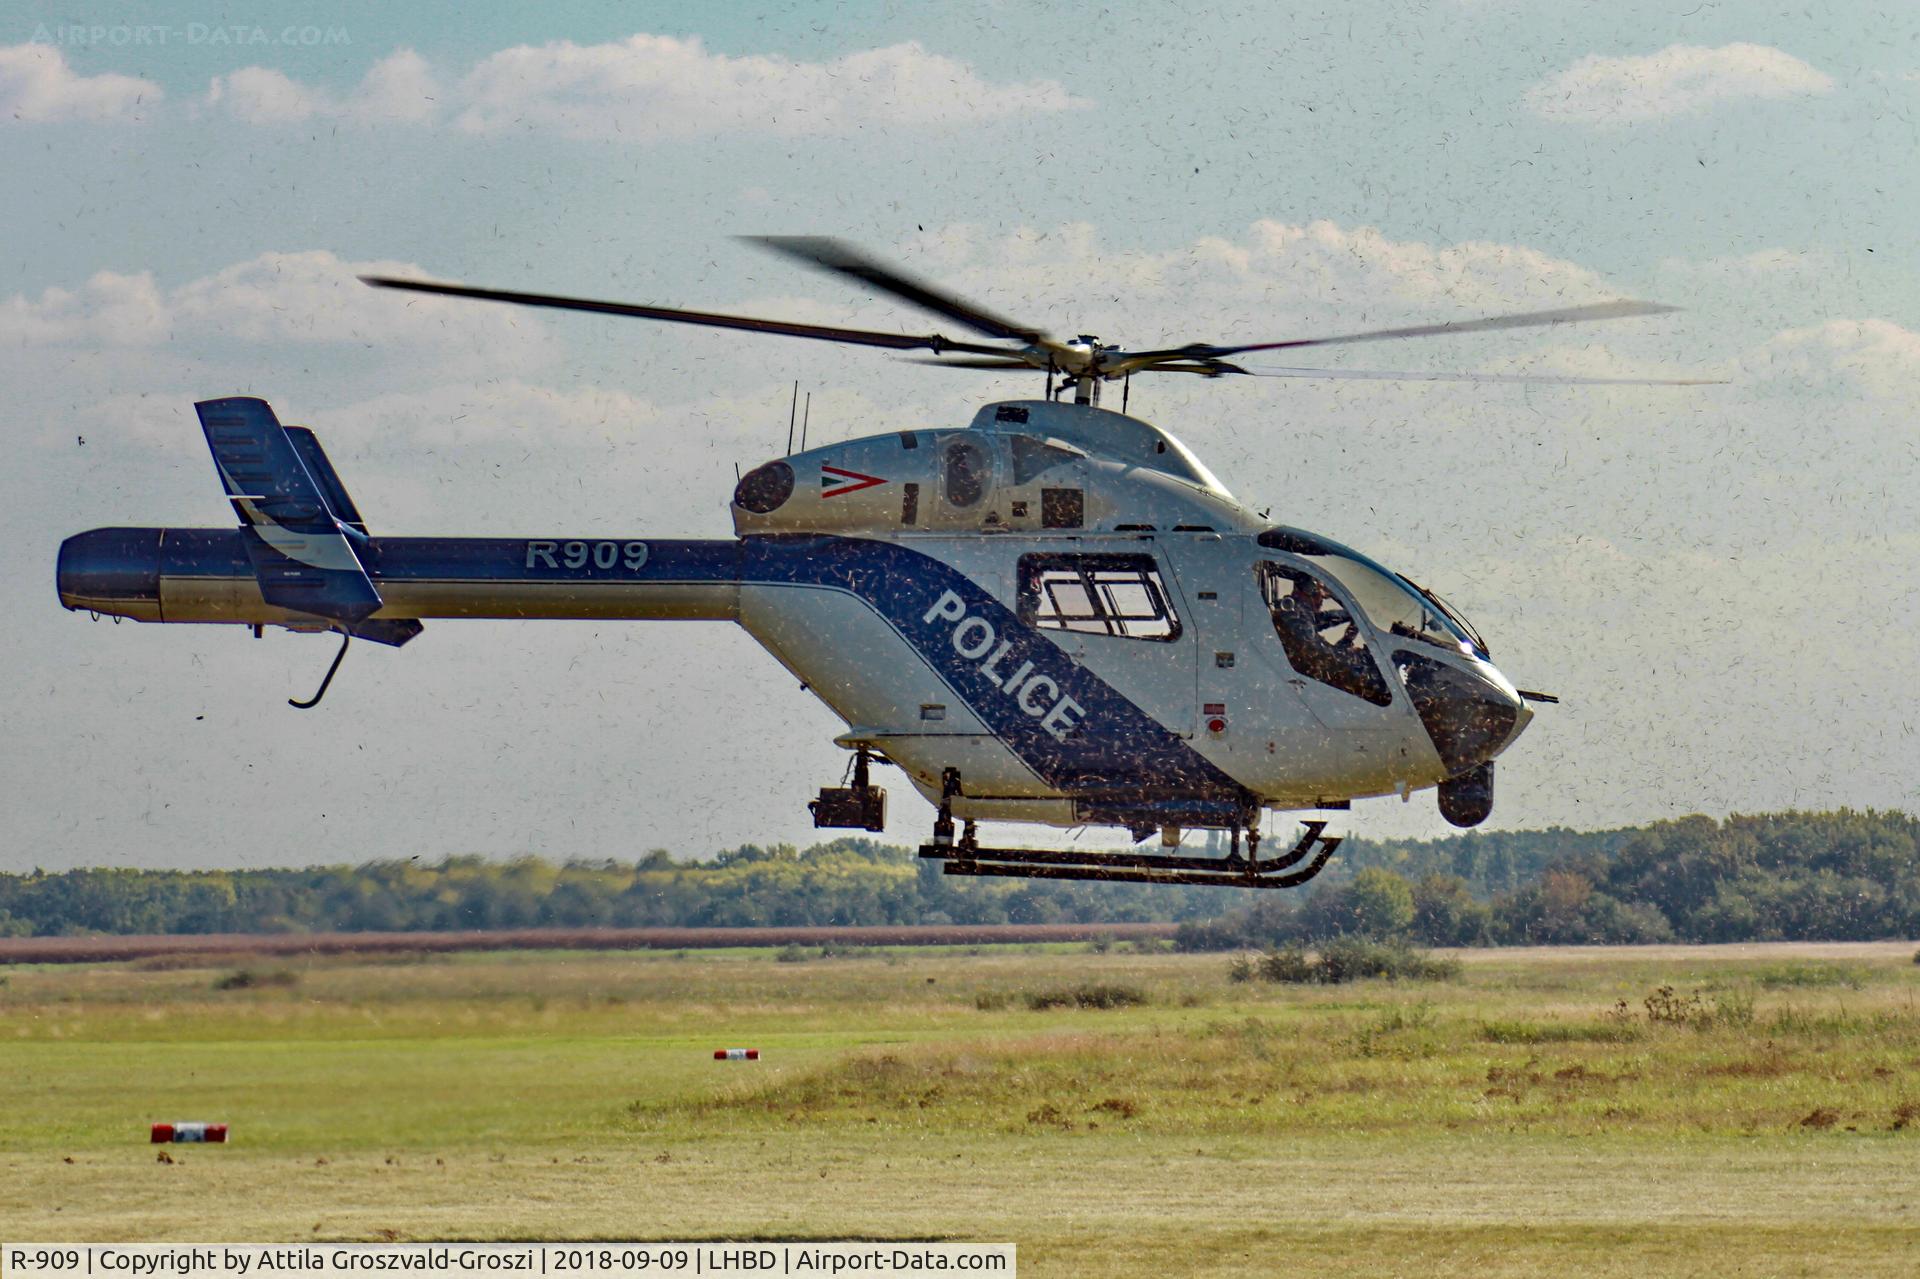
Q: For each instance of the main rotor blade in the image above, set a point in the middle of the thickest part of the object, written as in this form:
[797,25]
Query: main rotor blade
[841,258]
[1529,379]
[975,362]
[820,332]
[1224,368]
[1130,360]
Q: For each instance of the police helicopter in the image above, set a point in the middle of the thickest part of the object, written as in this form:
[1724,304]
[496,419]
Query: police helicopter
[1055,614]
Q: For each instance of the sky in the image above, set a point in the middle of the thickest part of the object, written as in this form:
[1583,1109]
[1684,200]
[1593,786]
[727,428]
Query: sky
[1722,583]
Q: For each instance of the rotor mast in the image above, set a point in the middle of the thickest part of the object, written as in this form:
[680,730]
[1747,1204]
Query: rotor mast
[1083,372]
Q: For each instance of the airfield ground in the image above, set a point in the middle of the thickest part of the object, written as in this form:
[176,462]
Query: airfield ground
[1529,1118]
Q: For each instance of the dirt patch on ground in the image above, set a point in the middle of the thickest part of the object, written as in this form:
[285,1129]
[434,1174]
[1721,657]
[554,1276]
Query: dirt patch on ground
[204,948]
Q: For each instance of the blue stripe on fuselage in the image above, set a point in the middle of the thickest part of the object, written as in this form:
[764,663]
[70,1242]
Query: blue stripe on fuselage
[1117,751]
[1116,747]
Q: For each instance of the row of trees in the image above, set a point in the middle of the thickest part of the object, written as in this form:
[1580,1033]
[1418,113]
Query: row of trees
[848,881]
[1790,876]
[1490,862]
[1839,875]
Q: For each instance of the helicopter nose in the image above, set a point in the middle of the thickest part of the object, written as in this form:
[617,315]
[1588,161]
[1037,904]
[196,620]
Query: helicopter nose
[1469,717]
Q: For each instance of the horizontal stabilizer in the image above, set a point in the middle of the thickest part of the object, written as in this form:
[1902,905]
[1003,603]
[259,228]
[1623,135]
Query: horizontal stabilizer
[384,630]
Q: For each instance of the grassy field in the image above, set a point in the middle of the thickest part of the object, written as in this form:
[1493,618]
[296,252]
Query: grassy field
[1548,1112]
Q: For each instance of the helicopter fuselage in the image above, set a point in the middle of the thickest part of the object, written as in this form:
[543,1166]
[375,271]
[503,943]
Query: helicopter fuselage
[1057,605]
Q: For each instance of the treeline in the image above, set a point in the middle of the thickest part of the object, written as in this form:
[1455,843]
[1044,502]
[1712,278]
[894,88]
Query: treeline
[1840,876]
[848,881]
[1490,862]
[1793,876]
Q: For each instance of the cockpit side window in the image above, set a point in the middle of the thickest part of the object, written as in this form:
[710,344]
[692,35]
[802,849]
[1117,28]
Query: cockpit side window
[1321,638]
[1120,595]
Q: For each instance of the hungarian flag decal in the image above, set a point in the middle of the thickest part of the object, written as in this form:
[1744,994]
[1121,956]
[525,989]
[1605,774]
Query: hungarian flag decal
[835,482]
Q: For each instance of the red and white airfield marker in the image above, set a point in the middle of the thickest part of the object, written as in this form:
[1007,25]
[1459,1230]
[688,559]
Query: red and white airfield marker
[189,1132]
[736,1054]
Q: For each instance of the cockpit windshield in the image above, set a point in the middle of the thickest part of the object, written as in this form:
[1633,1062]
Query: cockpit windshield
[1392,603]
[1453,615]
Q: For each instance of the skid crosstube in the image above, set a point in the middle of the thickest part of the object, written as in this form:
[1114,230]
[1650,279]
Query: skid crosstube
[1140,868]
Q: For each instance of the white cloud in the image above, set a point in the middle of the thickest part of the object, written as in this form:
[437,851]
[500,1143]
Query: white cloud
[260,95]
[275,298]
[1847,357]
[649,86]
[400,87]
[38,87]
[1678,79]
[1361,265]
[110,309]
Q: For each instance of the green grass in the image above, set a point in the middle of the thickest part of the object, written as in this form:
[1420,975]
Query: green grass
[1609,1030]
[1113,1113]
[1790,976]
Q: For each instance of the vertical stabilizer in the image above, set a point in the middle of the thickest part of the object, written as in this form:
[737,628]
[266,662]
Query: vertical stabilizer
[302,529]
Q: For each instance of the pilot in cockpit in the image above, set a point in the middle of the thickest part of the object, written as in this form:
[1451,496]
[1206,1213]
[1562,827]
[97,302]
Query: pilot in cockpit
[1322,639]
[1327,620]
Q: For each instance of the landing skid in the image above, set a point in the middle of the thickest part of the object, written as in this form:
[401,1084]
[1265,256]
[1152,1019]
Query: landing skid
[1235,871]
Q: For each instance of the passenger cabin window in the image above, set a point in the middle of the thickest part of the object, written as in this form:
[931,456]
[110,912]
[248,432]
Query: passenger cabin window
[1320,637]
[1119,595]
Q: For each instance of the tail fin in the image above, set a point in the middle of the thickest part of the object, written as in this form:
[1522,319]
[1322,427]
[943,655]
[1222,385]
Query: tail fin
[307,445]
[303,532]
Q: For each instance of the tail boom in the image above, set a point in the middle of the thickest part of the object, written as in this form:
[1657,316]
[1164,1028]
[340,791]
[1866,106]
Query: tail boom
[208,575]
